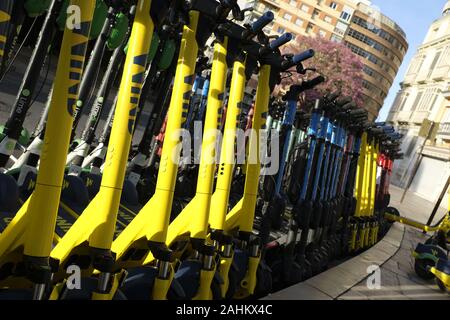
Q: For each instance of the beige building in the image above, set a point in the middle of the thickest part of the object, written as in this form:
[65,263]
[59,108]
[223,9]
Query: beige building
[366,31]
[425,95]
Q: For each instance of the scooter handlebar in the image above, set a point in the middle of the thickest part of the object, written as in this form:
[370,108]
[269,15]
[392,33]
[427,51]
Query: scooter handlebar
[332,96]
[388,129]
[285,38]
[309,84]
[376,131]
[358,112]
[298,58]
[263,21]
[349,106]
[343,101]
[295,90]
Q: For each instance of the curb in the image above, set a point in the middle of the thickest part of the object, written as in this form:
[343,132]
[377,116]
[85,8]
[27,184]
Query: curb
[335,282]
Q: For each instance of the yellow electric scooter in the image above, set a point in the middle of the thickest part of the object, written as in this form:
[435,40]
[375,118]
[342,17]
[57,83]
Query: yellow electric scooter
[190,228]
[97,224]
[25,244]
[6,8]
[430,258]
[239,250]
[88,242]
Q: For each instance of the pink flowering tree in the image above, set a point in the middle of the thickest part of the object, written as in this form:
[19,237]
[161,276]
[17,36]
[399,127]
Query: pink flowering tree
[342,69]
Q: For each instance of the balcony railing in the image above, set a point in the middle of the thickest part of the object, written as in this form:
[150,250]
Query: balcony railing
[444,128]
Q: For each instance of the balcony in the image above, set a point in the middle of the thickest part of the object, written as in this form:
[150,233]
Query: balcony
[422,76]
[403,116]
[440,73]
[409,79]
[444,128]
[274,3]
[419,116]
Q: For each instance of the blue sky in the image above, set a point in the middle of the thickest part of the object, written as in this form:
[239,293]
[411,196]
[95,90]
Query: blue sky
[415,17]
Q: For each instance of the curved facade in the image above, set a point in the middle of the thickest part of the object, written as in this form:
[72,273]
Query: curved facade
[378,40]
[382,44]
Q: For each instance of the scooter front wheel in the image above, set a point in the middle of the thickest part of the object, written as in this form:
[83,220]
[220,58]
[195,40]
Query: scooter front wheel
[442,286]
[421,268]
[85,291]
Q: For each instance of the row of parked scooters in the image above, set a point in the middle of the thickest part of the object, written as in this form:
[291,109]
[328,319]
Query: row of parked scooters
[158,221]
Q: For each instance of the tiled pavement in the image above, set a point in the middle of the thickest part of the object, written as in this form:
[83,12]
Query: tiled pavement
[348,281]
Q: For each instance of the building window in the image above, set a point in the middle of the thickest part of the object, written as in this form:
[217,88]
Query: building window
[333,5]
[416,65]
[367,55]
[336,38]
[341,28]
[305,8]
[260,7]
[328,19]
[287,16]
[399,100]
[309,28]
[405,99]
[322,33]
[315,14]
[417,100]
[345,16]
[281,30]
[369,86]
[319,2]
[299,22]
[433,64]
[428,100]
[369,41]
[372,28]
[433,100]
[445,60]
[293,3]
[376,75]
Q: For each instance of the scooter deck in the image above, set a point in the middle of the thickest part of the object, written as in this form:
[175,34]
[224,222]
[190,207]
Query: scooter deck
[74,199]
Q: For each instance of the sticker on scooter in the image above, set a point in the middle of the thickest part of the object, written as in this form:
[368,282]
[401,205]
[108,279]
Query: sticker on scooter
[76,64]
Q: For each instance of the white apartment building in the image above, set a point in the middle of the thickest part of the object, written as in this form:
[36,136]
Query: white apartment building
[425,95]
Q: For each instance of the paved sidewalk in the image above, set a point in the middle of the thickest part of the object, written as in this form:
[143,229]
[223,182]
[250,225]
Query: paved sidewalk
[348,281]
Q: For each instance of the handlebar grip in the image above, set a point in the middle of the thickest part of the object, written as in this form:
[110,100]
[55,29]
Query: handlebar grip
[358,112]
[332,96]
[349,106]
[394,148]
[397,136]
[263,21]
[285,38]
[295,90]
[309,84]
[376,131]
[343,101]
[388,129]
[303,56]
